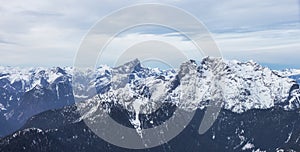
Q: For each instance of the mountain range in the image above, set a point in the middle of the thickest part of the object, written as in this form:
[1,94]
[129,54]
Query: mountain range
[44,109]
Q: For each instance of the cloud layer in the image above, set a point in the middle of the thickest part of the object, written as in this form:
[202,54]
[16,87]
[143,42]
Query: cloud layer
[40,33]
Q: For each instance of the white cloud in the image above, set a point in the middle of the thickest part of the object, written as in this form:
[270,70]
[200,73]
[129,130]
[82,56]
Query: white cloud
[119,45]
[48,33]
[280,46]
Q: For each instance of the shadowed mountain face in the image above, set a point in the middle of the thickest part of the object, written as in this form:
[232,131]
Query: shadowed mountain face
[265,130]
[260,107]
[29,92]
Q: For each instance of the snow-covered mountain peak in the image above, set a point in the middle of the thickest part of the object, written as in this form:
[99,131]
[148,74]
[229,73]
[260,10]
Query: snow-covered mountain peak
[289,72]
[128,67]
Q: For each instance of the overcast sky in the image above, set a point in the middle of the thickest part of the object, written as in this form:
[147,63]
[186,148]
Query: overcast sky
[48,33]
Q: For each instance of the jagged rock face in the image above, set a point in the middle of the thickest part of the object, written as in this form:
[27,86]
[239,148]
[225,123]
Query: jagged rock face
[249,85]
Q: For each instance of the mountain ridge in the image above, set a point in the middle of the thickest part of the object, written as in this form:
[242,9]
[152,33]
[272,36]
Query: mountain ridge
[247,85]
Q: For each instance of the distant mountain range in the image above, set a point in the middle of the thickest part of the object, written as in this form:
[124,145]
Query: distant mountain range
[260,107]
